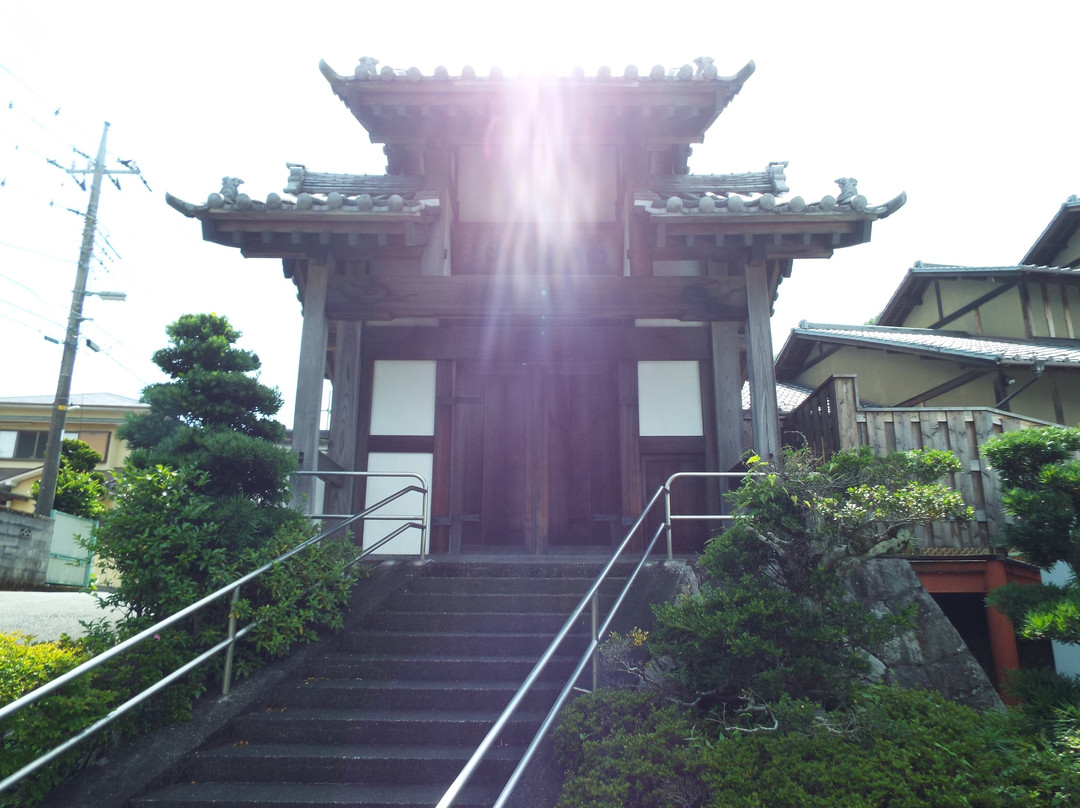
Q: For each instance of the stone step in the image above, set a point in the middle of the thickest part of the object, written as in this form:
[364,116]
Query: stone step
[496,603]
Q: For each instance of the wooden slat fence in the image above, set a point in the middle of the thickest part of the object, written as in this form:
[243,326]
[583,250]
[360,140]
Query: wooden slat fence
[831,420]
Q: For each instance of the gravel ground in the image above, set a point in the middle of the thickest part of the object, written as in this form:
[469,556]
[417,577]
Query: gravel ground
[47,615]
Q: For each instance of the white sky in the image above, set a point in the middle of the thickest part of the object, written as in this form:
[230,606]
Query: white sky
[966,106]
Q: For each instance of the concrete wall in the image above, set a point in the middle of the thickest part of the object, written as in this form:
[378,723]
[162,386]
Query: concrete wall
[24,548]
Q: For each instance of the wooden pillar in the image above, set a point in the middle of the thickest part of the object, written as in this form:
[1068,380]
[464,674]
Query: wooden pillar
[344,414]
[309,381]
[1002,634]
[727,394]
[764,415]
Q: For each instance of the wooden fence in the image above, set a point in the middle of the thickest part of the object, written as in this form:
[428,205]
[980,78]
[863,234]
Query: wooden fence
[831,419]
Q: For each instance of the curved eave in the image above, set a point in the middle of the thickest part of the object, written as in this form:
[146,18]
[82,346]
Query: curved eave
[290,232]
[400,106]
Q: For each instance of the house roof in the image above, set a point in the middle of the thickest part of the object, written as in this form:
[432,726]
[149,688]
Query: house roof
[921,275]
[79,400]
[970,348]
[1057,234]
[788,396]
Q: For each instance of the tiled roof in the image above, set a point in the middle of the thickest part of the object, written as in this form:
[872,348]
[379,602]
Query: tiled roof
[387,199]
[952,343]
[923,268]
[788,396]
[714,204]
[703,69]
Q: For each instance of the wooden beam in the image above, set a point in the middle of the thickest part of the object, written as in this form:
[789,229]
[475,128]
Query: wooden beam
[592,297]
[974,305]
[535,344]
[309,381]
[944,387]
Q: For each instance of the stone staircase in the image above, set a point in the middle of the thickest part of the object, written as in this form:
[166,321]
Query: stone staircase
[387,713]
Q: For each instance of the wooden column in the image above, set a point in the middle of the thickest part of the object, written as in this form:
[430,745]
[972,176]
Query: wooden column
[309,380]
[764,416]
[727,394]
[633,487]
[344,413]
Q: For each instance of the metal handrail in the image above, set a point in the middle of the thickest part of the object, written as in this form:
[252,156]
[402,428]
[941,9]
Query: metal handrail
[424,517]
[590,600]
[227,644]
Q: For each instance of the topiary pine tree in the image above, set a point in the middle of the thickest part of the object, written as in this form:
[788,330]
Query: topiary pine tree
[213,415]
[209,448]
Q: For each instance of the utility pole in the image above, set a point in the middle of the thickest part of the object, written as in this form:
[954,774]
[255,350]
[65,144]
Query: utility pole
[47,486]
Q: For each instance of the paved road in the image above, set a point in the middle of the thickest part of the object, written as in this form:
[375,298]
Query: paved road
[47,615]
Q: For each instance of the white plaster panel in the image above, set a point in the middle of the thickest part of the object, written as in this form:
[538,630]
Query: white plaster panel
[403,398]
[410,505]
[669,399]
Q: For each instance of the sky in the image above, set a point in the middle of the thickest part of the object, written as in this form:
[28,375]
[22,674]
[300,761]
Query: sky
[965,106]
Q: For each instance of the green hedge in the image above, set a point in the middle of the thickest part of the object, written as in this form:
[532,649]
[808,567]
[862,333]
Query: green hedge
[891,749]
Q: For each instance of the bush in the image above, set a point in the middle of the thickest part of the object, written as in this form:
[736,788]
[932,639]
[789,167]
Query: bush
[24,666]
[890,748]
[773,617]
[623,747]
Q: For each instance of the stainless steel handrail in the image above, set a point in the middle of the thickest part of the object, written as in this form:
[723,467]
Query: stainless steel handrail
[590,600]
[424,517]
[227,644]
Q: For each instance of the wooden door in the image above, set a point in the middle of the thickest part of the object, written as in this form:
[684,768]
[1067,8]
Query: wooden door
[536,461]
[581,435]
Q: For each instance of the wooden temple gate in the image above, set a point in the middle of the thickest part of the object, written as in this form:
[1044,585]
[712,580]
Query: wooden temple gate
[538,306]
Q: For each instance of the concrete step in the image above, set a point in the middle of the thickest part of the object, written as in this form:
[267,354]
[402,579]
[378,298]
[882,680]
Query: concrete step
[473,621]
[249,794]
[416,694]
[397,667]
[353,763]
[332,725]
[462,643]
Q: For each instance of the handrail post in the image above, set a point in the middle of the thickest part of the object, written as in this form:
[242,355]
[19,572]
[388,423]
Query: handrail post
[226,683]
[667,521]
[595,639]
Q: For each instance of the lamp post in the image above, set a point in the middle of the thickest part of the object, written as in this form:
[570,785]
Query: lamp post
[51,463]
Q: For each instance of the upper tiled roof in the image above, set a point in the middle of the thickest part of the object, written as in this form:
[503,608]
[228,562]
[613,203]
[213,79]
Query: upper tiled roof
[1057,235]
[668,105]
[918,278]
[951,343]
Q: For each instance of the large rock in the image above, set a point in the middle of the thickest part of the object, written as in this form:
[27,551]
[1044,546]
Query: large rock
[932,654]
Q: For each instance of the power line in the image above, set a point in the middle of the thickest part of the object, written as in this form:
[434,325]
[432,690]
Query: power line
[37,253]
[32,313]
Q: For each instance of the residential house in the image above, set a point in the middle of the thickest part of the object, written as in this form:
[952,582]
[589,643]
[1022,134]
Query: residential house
[957,355]
[24,428]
